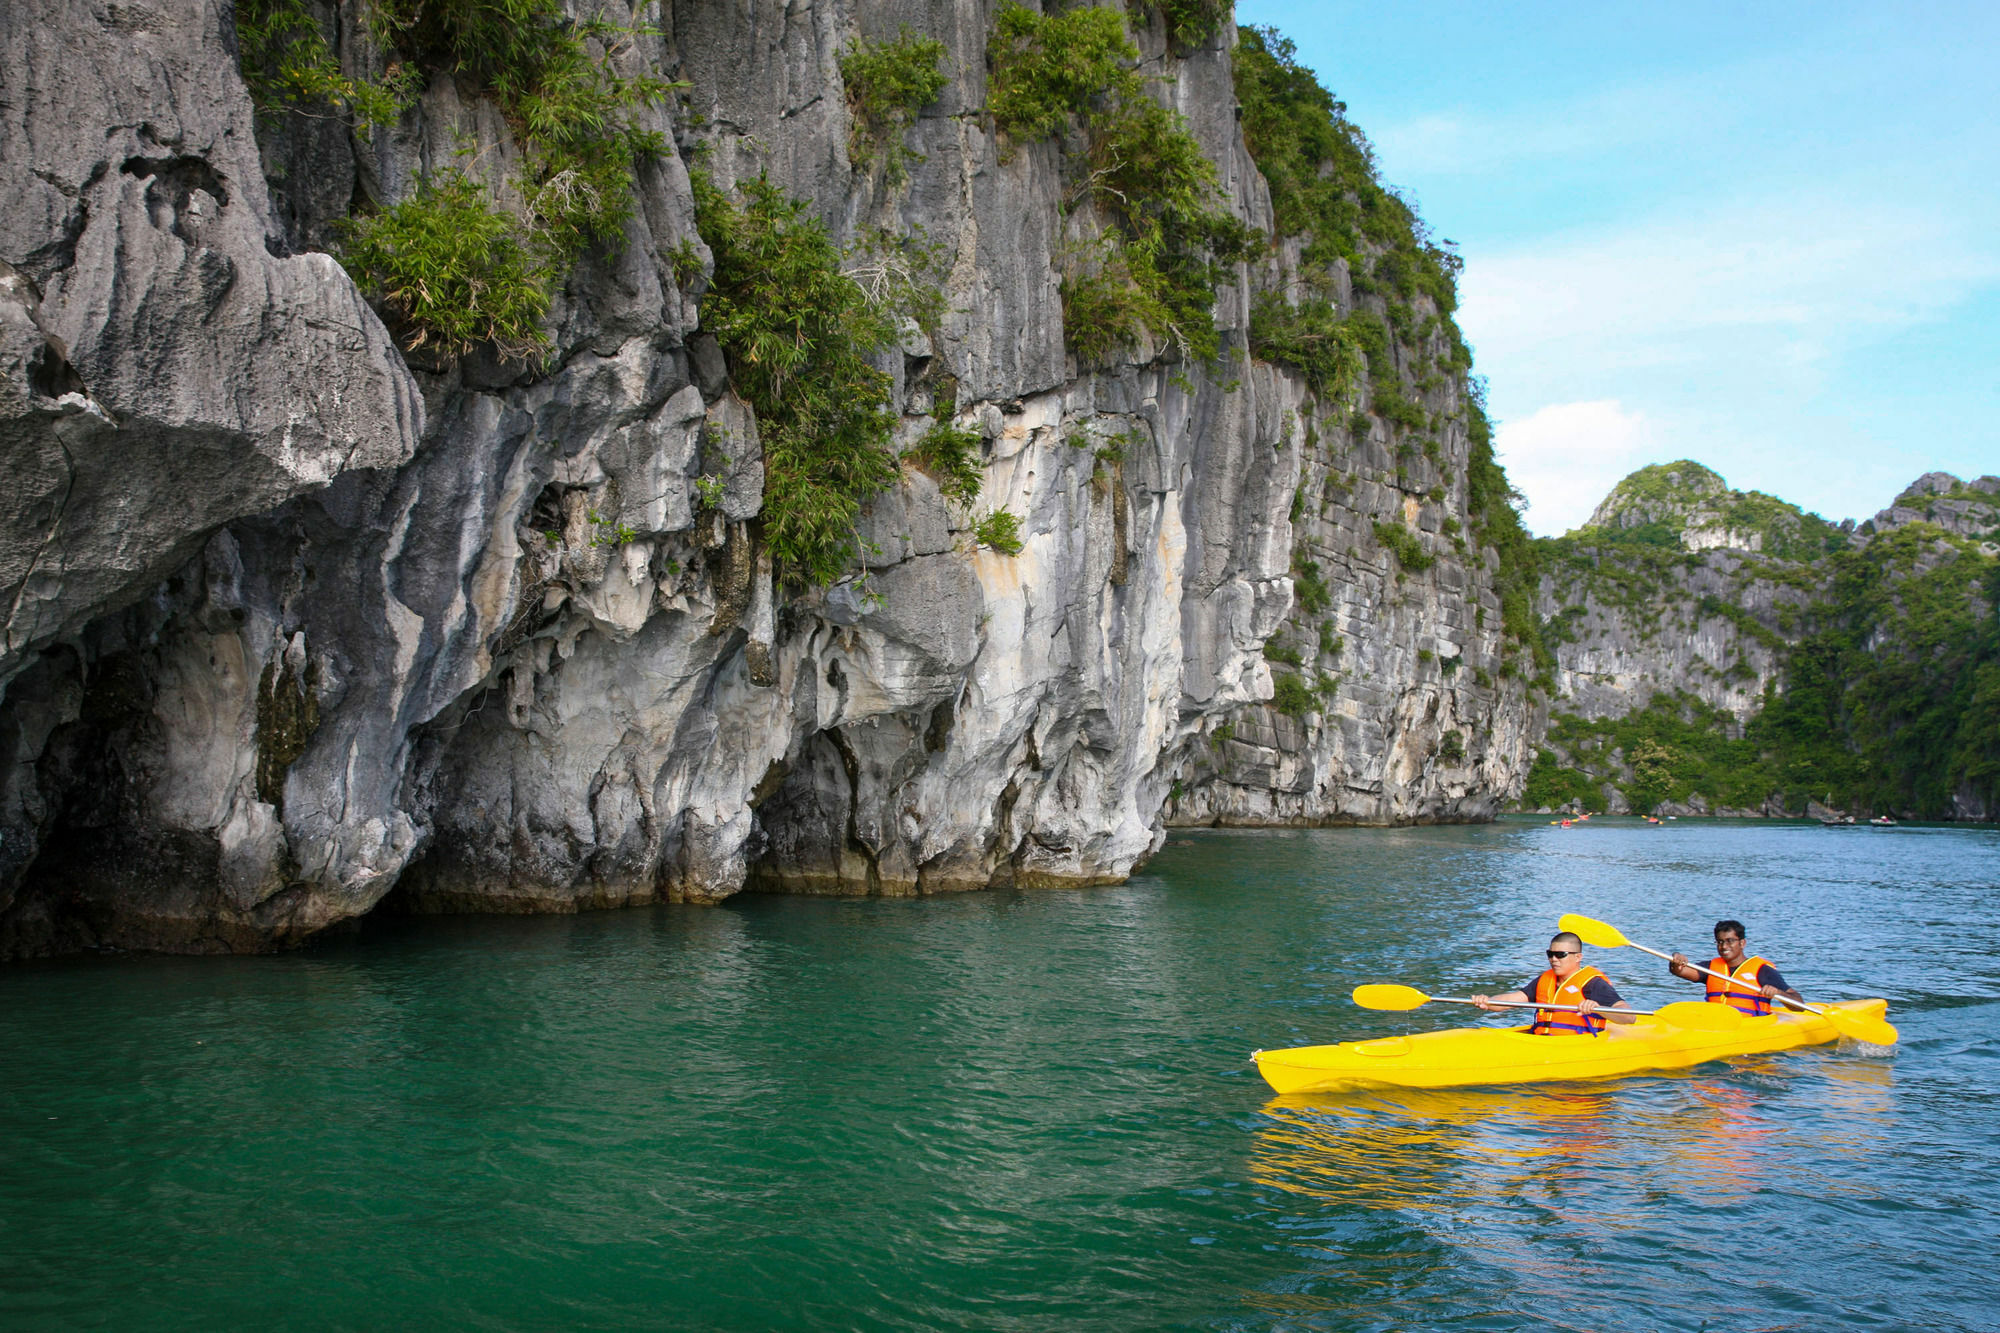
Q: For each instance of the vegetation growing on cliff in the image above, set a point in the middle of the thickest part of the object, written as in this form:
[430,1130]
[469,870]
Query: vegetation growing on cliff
[454,271]
[1000,530]
[1494,507]
[1155,271]
[1405,546]
[1189,23]
[557,80]
[1290,694]
[1675,747]
[1051,68]
[1887,694]
[574,114]
[1895,702]
[1656,505]
[1325,190]
[1324,187]
[288,63]
[799,334]
[888,83]
[1312,338]
[950,455]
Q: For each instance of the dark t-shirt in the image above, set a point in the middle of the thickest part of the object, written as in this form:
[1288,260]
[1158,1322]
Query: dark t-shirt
[1597,988]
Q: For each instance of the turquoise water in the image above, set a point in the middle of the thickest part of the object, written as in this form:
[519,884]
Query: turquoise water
[1022,1110]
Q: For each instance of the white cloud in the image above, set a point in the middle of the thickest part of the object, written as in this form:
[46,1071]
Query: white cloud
[1739,338]
[1767,288]
[1567,456]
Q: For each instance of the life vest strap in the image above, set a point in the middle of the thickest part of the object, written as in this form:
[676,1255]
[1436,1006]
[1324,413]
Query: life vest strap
[1746,994]
[1550,991]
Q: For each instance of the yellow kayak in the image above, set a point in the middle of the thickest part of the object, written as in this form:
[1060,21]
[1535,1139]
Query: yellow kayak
[1680,1035]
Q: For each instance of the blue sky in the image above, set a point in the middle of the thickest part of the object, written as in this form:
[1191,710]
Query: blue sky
[1766,236]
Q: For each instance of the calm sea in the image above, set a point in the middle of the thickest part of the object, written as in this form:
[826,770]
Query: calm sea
[1023,1110]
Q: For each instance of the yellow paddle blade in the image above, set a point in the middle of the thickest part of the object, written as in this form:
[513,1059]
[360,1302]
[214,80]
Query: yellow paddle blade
[1594,933]
[1869,1031]
[1383,996]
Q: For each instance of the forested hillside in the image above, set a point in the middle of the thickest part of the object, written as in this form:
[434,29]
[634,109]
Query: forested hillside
[1722,650]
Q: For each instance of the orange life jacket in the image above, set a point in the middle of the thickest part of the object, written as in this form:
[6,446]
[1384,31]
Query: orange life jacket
[1750,1001]
[1549,991]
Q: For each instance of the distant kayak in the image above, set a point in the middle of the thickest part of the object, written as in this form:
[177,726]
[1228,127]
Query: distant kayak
[1690,1032]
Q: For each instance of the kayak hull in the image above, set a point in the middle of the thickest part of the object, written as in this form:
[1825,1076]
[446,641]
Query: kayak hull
[1681,1036]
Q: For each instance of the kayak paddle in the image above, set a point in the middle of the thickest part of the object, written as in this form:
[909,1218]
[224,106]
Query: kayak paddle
[1873,1031]
[1383,996]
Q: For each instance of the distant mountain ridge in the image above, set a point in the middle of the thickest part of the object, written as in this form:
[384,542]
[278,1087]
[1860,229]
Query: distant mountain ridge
[1716,650]
[1686,502]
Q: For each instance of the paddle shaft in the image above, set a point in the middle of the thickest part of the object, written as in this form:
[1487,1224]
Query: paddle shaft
[1530,1004]
[1734,981]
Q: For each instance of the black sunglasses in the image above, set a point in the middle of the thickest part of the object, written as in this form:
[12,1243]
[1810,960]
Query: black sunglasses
[1563,953]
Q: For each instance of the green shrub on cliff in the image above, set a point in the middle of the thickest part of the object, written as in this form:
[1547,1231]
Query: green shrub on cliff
[1308,587]
[950,455]
[1291,696]
[1189,23]
[1048,68]
[1151,177]
[1104,309]
[800,336]
[1312,338]
[560,88]
[288,62]
[887,84]
[1000,530]
[452,271]
[1405,546]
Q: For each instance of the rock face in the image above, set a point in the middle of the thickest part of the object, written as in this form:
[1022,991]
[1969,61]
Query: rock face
[1964,508]
[1401,705]
[1713,624]
[164,371]
[297,624]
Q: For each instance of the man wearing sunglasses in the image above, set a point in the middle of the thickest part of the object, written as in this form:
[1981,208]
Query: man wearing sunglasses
[1567,982]
[1753,983]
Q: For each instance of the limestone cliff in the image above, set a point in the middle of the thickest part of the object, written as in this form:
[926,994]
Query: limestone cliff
[1400,698]
[305,612]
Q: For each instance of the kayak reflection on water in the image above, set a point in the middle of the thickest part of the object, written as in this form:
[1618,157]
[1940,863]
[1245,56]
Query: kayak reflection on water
[1428,1149]
[1446,1150]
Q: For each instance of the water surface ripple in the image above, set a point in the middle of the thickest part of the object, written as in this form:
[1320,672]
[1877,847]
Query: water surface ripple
[1022,1110]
